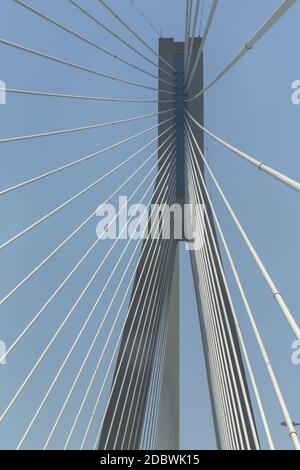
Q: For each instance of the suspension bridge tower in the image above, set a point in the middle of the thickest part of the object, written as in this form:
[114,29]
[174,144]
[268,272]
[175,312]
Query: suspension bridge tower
[137,373]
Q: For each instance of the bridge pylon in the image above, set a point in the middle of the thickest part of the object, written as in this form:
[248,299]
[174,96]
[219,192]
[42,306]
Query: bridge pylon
[148,359]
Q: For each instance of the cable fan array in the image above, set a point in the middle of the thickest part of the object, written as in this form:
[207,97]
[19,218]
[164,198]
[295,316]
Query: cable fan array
[78,290]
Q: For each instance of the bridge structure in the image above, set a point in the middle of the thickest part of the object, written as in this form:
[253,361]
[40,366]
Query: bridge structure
[123,387]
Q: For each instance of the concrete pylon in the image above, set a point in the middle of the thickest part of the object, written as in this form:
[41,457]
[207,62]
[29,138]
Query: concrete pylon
[124,424]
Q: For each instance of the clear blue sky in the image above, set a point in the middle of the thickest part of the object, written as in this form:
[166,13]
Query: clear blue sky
[250,107]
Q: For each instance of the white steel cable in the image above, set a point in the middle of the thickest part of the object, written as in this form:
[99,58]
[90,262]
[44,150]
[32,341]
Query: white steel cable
[213,324]
[266,359]
[227,327]
[145,18]
[149,303]
[217,327]
[97,367]
[135,414]
[187,11]
[158,361]
[116,348]
[116,36]
[259,165]
[140,297]
[79,129]
[153,271]
[130,407]
[275,293]
[202,16]
[64,204]
[297,183]
[99,432]
[190,52]
[162,354]
[244,392]
[140,346]
[189,7]
[269,439]
[86,40]
[85,323]
[203,41]
[79,97]
[146,417]
[98,299]
[222,402]
[122,357]
[278,393]
[94,375]
[281,10]
[153,317]
[78,66]
[152,410]
[153,401]
[153,389]
[28,377]
[76,162]
[246,357]
[210,319]
[210,280]
[136,35]
[90,349]
[129,362]
[31,323]
[66,240]
[223,405]
[243,346]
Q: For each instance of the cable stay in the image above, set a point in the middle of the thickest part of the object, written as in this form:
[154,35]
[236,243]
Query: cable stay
[211,15]
[52,212]
[145,18]
[50,94]
[274,18]
[87,41]
[136,35]
[76,303]
[259,165]
[267,362]
[77,230]
[116,36]
[275,292]
[80,67]
[79,129]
